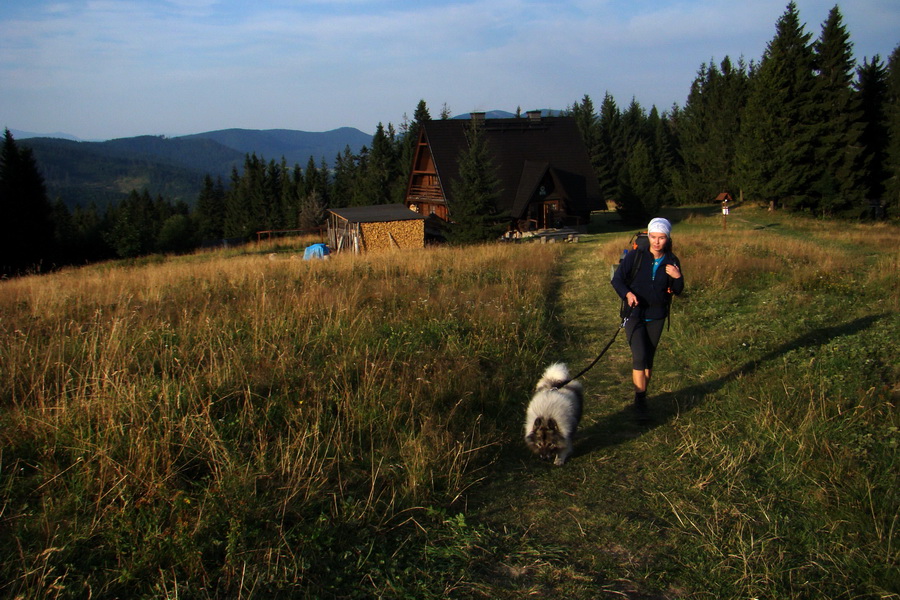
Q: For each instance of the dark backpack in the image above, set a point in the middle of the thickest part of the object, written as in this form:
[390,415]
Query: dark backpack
[638,240]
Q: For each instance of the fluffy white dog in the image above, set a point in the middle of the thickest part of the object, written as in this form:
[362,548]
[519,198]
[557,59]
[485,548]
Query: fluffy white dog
[553,415]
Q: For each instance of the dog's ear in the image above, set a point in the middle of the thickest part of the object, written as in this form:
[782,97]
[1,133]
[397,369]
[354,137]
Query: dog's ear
[551,424]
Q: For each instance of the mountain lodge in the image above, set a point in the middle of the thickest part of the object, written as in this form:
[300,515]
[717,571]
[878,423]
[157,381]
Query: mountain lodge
[545,173]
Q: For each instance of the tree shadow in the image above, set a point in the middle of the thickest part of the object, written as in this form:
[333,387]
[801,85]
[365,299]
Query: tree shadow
[622,426]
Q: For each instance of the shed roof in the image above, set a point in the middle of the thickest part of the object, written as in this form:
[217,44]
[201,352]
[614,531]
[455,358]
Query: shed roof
[378,213]
[523,150]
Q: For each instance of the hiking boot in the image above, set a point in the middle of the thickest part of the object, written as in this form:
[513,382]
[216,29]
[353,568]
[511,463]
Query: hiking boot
[641,411]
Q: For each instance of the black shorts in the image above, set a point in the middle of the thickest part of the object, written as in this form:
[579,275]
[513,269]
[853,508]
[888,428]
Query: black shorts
[643,337]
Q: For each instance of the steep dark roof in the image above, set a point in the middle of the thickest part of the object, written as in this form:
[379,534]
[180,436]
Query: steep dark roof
[523,151]
[378,213]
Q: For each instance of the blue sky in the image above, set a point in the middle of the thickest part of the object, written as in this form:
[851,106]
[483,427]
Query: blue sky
[99,69]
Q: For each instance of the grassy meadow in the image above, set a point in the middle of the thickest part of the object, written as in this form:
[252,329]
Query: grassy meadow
[240,424]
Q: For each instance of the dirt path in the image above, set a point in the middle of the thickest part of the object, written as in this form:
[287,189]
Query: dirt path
[578,531]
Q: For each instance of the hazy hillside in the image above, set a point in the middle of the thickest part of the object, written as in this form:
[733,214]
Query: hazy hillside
[102,172]
[295,146]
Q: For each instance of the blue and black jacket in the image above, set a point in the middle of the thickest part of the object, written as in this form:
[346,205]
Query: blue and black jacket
[653,295]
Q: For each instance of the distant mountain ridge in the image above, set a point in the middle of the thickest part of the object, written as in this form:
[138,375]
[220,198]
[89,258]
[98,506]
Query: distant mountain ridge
[295,146]
[104,172]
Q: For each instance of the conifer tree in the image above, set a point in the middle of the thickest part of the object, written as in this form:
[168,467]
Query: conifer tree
[273,186]
[359,193]
[634,126]
[782,121]
[586,118]
[892,158]
[89,226]
[292,195]
[209,212]
[640,186]
[238,220]
[250,190]
[839,148]
[708,130]
[473,212]
[133,226]
[381,170]
[27,240]
[64,239]
[344,176]
[609,155]
[872,87]
[668,161]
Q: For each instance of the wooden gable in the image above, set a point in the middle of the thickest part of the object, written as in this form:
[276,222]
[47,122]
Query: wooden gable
[529,154]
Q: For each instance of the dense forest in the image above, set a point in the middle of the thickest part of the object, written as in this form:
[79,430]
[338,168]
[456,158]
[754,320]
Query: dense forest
[805,128]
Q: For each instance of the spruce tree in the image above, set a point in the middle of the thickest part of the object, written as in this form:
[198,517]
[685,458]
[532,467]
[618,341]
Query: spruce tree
[359,195]
[89,226]
[892,159]
[209,212]
[27,241]
[609,155]
[344,176]
[473,212]
[238,222]
[782,122]
[839,148]
[872,87]
[586,118]
[708,130]
[64,239]
[133,226]
[668,160]
[381,171]
[634,126]
[640,186]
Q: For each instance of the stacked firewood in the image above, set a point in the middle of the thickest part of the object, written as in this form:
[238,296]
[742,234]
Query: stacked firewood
[393,235]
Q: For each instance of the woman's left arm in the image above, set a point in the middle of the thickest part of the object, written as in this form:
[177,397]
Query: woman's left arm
[673,270]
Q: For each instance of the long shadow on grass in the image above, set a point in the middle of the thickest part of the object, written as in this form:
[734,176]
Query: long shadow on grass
[621,426]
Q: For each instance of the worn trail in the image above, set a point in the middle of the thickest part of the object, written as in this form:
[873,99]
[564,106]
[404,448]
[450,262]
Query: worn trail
[578,530]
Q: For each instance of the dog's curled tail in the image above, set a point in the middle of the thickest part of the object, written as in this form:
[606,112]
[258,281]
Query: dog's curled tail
[555,375]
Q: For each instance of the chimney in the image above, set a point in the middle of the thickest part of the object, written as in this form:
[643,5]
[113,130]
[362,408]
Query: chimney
[534,116]
[477,116]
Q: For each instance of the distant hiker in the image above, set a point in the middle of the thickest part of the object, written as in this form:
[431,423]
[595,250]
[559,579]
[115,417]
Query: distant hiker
[648,291]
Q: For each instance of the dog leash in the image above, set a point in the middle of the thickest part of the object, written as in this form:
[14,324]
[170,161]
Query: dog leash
[599,356]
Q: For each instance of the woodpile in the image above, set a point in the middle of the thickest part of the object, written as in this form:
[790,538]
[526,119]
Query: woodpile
[375,228]
[393,235]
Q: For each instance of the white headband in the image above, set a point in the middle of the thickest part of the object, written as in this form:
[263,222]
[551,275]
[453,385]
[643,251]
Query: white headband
[659,225]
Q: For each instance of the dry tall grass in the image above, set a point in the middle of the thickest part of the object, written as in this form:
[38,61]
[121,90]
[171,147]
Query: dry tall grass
[182,420]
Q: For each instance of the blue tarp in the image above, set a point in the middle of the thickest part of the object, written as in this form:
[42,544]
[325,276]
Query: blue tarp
[316,251]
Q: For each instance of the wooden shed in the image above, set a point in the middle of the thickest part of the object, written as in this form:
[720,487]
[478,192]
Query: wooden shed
[374,228]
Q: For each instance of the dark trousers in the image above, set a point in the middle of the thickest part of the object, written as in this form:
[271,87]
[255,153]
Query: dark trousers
[643,337]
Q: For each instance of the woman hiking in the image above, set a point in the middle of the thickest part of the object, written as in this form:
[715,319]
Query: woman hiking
[647,291]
